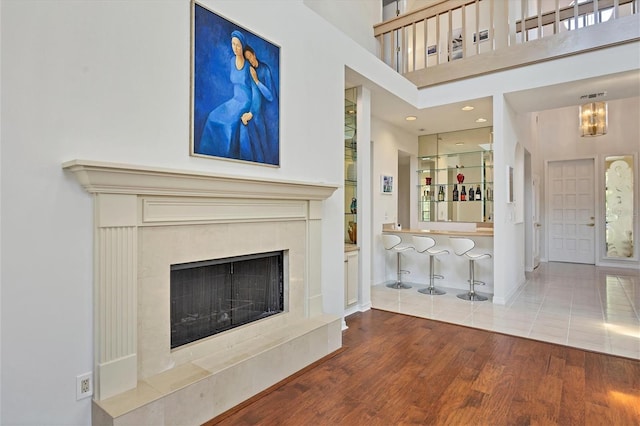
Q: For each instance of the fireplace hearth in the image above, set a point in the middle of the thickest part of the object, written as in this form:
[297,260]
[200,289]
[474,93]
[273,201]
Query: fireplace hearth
[213,296]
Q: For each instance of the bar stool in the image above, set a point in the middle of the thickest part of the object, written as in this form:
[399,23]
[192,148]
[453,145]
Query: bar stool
[463,247]
[426,245]
[392,242]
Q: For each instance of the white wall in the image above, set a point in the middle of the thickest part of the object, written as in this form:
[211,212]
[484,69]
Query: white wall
[527,136]
[355,18]
[387,141]
[559,139]
[109,81]
[0,225]
[508,240]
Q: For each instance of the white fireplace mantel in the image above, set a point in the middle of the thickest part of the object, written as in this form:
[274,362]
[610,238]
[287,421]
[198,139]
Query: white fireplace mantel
[115,178]
[133,204]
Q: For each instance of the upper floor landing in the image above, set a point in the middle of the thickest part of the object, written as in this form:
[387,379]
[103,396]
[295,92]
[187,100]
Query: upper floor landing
[457,39]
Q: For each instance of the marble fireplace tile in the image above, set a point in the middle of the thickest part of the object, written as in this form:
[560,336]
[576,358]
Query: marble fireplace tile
[193,405]
[150,414]
[130,400]
[177,378]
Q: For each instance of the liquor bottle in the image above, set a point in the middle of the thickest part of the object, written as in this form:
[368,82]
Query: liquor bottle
[471,193]
[455,192]
[441,194]
[463,194]
[428,195]
[478,193]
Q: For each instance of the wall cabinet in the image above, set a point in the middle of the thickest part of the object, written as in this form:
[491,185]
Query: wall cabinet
[456,187]
[350,278]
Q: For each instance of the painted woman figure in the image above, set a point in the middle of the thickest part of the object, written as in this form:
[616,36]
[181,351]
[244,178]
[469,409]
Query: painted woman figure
[263,96]
[222,135]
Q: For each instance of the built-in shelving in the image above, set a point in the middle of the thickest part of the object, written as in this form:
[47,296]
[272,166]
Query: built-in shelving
[350,169]
[442,179]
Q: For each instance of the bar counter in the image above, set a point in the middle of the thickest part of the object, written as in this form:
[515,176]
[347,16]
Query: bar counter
[454,268]
[479,232]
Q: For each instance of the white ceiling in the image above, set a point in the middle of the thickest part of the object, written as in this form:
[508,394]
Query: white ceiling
[387,107]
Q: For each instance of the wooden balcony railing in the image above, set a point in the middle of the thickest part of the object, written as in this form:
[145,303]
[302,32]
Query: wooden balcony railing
[422,44]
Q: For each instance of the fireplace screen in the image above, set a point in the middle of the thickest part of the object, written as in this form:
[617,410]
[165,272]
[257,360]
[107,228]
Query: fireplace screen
[212,296]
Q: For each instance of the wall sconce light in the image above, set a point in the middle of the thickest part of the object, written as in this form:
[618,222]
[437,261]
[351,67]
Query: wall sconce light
[593,119]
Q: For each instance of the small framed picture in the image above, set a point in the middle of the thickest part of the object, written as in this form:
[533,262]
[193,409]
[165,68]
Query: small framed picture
[456,44]
[484,36]
[432,50]
[386,184]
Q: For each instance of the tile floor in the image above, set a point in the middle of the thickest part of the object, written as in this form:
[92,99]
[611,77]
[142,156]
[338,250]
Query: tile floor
[584,306]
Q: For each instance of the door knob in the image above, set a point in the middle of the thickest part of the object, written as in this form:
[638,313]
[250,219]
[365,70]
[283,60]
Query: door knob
[591,224]
[538,225]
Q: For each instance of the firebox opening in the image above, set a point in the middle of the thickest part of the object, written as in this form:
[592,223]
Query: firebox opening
[213,296]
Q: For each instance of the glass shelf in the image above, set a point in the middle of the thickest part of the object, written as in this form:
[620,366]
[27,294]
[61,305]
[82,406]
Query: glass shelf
[451,201]
[350,166]
[459,169]
[442,168]
[485,184]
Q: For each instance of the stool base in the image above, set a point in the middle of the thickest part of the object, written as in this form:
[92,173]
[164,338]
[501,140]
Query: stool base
[399,285]
[432,291]
[474,297]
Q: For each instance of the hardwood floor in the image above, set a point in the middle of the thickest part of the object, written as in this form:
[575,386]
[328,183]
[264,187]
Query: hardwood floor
[400,370]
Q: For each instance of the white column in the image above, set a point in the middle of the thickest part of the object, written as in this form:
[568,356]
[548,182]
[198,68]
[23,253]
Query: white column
[365,213]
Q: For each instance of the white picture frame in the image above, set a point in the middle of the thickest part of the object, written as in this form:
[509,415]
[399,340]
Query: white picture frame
[386,184]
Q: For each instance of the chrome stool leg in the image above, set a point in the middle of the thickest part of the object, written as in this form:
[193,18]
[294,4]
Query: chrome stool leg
[431,289]
[472,295]
[399,284]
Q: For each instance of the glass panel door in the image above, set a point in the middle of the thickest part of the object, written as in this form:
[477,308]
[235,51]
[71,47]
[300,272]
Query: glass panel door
[619,206]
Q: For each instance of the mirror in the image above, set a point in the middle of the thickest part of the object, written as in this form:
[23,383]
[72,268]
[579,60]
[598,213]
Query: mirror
[619,206]
[455,175]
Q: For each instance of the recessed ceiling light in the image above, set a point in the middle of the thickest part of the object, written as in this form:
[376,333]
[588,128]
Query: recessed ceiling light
[459,143]
[467,108]
[481,120]
[411,118]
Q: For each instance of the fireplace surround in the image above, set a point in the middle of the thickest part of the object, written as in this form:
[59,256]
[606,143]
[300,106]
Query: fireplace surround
[147,219]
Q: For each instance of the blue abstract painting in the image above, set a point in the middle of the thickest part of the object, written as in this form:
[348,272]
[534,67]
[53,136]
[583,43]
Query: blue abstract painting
[235,91]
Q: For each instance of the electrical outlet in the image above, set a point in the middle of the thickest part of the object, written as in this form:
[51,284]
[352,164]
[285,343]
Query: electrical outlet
[84,386]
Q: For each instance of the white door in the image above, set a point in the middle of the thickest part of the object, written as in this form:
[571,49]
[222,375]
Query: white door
[535,183]
[571,211]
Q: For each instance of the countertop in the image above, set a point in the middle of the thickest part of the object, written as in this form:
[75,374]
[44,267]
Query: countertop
[479,232]
[350,247]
